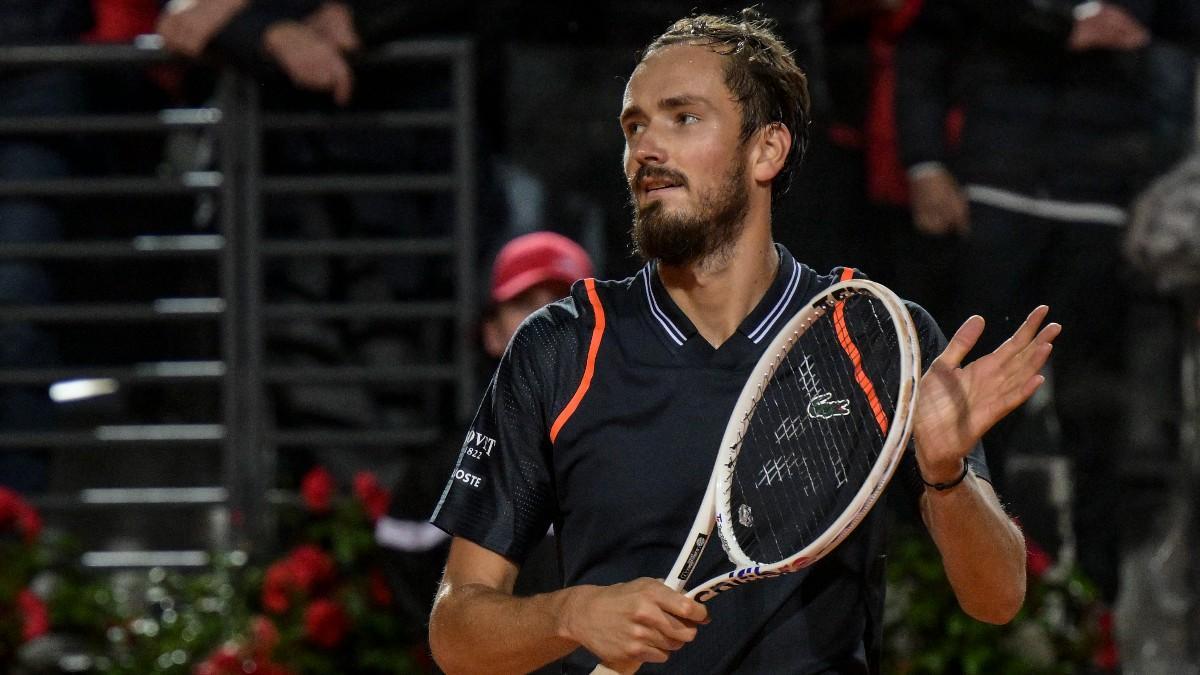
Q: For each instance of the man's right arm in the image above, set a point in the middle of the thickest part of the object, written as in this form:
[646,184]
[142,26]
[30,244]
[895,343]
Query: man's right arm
[924,70]
[477,624]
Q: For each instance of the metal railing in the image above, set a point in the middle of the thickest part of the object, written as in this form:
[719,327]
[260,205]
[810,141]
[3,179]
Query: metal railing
[237,308]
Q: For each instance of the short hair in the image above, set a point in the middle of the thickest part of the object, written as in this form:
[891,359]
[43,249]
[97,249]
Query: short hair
[760,72]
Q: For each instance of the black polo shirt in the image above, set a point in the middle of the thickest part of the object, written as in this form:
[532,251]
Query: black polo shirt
[604,418]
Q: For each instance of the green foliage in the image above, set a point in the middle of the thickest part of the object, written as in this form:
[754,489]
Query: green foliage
[323,607]
[925,632]
[155,621]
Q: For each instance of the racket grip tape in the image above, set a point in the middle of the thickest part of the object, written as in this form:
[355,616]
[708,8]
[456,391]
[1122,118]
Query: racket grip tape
[605,670]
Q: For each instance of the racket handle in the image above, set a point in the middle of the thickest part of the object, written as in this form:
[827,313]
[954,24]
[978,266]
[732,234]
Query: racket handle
[605,670]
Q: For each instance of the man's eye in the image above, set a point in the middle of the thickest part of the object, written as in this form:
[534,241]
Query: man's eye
[688,118]
[634,127]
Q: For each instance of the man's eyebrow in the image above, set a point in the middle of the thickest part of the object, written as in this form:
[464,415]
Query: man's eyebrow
[682,101]
[668,103]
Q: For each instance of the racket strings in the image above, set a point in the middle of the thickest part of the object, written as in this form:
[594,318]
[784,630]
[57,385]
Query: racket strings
[816,431]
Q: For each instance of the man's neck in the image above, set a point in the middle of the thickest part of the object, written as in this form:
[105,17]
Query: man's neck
[718,294]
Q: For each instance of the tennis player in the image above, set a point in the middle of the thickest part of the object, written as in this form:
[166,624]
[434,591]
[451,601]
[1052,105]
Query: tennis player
[606,411]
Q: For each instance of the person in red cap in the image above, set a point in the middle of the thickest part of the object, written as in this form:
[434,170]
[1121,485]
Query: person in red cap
[529,272]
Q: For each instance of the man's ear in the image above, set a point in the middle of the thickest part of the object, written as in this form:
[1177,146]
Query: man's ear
[771,146]
[493,340]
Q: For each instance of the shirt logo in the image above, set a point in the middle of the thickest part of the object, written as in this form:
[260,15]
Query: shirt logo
[477,445]
[824,407]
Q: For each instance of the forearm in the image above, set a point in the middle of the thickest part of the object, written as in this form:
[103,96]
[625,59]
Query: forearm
[475,628]
[982,551]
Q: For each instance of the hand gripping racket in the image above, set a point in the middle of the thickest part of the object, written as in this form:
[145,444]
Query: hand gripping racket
[816,435]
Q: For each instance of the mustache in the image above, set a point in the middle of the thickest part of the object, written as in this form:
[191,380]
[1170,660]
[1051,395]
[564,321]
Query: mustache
[651,171]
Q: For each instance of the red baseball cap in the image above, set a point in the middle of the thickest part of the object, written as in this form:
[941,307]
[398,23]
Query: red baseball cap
[536,258]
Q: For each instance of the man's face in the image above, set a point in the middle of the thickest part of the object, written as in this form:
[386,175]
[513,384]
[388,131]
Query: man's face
[684,161]
[498,331]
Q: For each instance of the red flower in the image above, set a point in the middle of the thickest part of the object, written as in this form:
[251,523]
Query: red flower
[374,499]
[1106,657]
[227,660]
[8,507]
[325,623]
[231,659]
[1037,561]
[263,635]
[378,589]
[279,584]
[317,490]
[28,523]
[16,512]
[306,570]
[312,567]
[35,618]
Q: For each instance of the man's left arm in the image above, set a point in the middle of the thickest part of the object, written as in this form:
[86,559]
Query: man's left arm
[982,550]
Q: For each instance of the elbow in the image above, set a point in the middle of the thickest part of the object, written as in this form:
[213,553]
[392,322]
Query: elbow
[997,615]
[999,607]
[444,654]
[441,643]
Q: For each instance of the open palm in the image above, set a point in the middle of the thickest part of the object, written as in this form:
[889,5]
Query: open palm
[957,404]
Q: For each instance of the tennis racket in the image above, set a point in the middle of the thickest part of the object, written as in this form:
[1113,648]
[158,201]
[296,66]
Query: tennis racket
[817,433]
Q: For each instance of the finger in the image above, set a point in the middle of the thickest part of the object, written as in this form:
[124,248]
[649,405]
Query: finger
[962,216]
[343,83]
[1035,354]
[679,605]
[1020,395]
[1025,333]
[648,654]
[190,45]
[676,616]
[1032,386]
[960,345]
[678,631]
[652,635]
[1048,334]
[617,668]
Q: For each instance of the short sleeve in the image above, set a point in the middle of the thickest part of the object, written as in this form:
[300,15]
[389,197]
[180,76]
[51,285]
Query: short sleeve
[500,493]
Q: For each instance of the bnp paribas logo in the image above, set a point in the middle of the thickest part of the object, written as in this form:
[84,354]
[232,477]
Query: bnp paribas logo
[823,407]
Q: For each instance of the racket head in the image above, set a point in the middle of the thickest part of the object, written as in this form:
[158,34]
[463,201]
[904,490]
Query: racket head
[818,430]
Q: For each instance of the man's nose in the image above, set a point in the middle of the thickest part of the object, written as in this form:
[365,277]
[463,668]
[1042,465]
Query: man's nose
[648,148]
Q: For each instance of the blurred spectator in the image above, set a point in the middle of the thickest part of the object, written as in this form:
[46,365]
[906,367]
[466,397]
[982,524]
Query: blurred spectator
[30,93]
[529,272]
[311,41]
[300,51]
[1056,141]
[853,175]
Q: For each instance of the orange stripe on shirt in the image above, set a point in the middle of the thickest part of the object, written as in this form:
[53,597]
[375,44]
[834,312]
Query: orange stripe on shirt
[848,346]
[590,368]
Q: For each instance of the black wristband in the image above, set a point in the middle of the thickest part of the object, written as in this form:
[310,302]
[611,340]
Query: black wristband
[941,487]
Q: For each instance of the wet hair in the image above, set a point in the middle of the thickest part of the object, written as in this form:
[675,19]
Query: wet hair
[760,72]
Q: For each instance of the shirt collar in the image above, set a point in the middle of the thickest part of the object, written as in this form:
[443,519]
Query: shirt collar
[678,328]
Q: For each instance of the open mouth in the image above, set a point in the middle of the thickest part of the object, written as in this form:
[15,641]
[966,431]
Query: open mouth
[658,185]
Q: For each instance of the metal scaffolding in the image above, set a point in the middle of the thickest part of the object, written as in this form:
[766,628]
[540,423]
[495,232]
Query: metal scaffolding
[243,437]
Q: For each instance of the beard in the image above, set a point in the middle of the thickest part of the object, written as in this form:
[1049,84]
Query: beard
[684,238]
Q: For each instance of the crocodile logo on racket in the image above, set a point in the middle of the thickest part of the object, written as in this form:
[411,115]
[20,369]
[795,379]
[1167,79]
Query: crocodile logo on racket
[824,407]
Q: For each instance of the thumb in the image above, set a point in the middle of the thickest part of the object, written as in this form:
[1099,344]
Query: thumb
[960,345]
